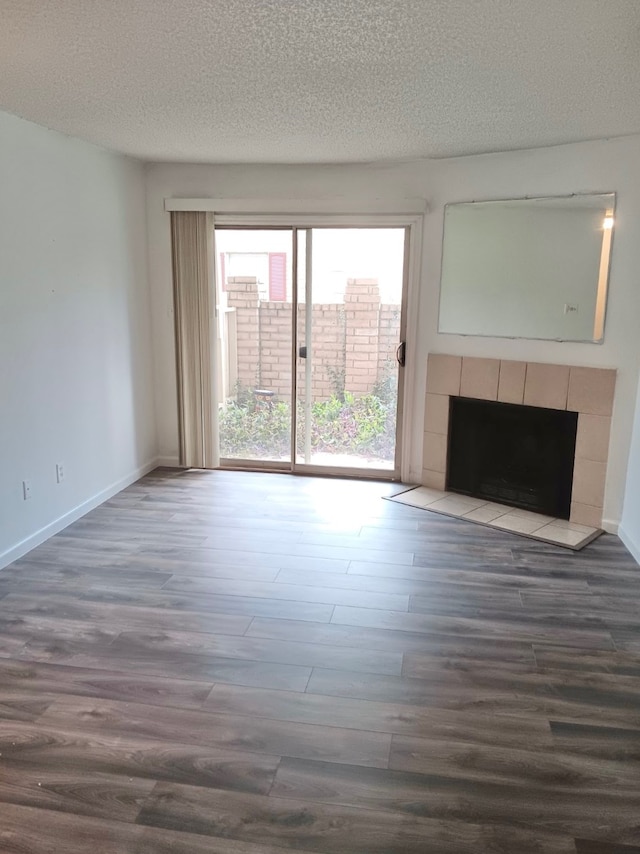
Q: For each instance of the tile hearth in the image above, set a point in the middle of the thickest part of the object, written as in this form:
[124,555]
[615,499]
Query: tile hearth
[559,532]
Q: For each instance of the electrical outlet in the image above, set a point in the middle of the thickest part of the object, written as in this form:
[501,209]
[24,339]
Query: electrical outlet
[59,472]
[26,489]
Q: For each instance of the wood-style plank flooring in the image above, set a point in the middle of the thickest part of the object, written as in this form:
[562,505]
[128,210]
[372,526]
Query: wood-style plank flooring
[237,663]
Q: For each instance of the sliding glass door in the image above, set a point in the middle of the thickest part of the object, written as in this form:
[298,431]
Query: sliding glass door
[349,330]
[311,332]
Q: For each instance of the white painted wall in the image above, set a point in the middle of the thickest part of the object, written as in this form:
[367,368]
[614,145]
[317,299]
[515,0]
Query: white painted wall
[630,525]
[605,166]
[75,344]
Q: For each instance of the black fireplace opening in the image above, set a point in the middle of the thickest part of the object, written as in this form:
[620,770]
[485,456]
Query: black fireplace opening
[517,455]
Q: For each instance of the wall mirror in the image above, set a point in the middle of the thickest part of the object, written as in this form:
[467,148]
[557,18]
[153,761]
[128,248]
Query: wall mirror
[527,268]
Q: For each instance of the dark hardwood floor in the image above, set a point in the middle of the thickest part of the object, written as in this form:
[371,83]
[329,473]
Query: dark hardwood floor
[237,663]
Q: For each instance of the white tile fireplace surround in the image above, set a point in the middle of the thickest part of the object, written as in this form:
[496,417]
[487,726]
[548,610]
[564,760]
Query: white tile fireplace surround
[587,391]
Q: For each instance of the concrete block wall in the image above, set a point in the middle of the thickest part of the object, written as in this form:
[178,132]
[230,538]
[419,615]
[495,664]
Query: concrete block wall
[362,309]
[353,343]
[242,295]
[388,340]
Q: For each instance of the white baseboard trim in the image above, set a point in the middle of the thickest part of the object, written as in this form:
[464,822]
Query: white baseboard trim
[169,462]
[61,522]
[630,543]
[610,526]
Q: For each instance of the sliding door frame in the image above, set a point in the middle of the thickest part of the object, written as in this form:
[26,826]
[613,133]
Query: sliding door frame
[406,407]
[279,466]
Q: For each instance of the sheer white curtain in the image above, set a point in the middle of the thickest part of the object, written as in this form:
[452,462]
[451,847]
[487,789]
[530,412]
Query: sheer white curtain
[196,337]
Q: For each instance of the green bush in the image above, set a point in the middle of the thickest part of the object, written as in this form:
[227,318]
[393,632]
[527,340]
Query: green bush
[359,426]
[253,431]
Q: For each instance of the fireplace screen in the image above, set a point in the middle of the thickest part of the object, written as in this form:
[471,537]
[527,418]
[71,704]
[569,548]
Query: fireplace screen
[517,455]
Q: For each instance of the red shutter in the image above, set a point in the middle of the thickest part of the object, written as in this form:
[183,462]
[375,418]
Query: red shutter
[223,273]
[278,276]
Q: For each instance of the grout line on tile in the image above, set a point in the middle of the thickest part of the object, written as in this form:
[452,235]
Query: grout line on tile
[560,542]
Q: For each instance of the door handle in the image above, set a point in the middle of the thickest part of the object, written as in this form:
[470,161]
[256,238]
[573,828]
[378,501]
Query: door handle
[401,354]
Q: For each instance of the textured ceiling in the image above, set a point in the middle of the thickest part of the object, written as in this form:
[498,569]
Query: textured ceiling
[291,81]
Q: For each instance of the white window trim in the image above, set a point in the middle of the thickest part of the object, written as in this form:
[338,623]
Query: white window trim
[328,206]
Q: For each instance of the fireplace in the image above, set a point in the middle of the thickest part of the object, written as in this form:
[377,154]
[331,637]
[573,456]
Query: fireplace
[522,456]
[585,391]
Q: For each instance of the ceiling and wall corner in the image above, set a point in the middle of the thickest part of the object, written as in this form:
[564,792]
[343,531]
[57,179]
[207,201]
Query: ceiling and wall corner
[276,81]
[344,100]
